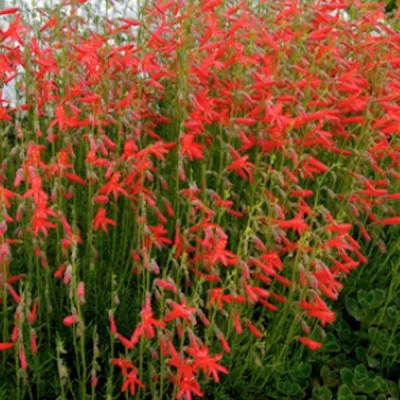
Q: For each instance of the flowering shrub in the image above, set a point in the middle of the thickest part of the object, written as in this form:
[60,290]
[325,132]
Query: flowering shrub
[183,194]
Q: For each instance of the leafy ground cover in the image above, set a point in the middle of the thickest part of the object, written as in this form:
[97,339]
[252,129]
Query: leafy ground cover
[201,201]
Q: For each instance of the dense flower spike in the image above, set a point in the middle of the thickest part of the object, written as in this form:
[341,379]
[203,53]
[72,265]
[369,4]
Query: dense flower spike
[182,180]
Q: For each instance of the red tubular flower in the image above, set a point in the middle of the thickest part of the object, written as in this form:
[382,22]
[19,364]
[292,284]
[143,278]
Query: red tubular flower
[238,326]
[390,221]
[243,167]
[14,29]
[179,311]
[22,357]
[131,382]
[100,220]
[158,236]
[185,378]
[256,332]
[13,294]
[33,313]
[8,11]
[310,343]
[126,342]
[297,224]
[318,309]
[6,195]
[101,199]
[6,346]
[70,320]
[130,373]
[75,178]
[148,323]
[166,285]
[205,362]
[34,348]
[113,326]
[123,364]
[191,148]
[113,186]
[223,341]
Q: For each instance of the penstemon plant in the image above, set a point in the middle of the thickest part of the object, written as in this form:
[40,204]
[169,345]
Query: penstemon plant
[183,193]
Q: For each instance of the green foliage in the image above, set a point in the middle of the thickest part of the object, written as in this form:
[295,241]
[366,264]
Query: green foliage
[322,393]
[390,5]
[361,354]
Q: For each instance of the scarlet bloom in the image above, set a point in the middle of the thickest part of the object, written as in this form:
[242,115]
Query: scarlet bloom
[34,347]
[185,379]
[191,148]
[179,311]
[6,346]
[223,341]
[5,195]
[126,342]
[319,310]
[22,357]
[100,199]
[256,332]
[311,344]
[100,220]
[243,167]
[71,319]
[246,121]
[13,294]
[148,322]
[40,222]
[158,236]
[114,187]
[123,364]
[33,313]
[166,285]
[36,191]
[204,361]
[8,11]
[130,373]
[14,29]
[75,178]
[131,382]
[297,224]
[238,326]
[60,271]
[302,193]
[390,221]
